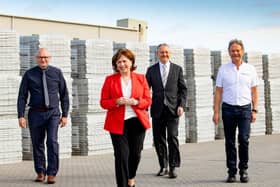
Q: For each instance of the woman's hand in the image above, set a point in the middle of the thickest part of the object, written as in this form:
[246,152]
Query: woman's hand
[127,101]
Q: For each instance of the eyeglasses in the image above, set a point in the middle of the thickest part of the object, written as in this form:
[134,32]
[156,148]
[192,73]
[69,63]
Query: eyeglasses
[43,57]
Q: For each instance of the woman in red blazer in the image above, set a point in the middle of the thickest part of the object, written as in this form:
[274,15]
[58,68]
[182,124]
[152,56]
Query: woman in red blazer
[126,96]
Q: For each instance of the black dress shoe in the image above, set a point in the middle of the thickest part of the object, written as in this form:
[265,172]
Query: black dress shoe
[172,173]
[244,177]
[162,172]
[231,179]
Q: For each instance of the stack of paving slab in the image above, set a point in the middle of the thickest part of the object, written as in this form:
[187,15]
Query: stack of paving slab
[28,48]
[153,58]
[200,95]
[153,54]
[274,79]
[177,57]
[10,132]
[10,139]
[255,59]
[216,61]
[142,55]
[141,52]
[59,48]
[268,110]
[91,63]
[225,58]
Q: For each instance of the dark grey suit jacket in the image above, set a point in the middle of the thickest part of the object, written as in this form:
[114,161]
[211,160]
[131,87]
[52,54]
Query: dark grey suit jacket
[175,90]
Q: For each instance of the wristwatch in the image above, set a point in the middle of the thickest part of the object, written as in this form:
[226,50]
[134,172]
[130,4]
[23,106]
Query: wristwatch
[255,110]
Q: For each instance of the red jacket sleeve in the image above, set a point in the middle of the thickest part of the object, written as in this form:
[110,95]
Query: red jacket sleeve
[145,100]
[107,101]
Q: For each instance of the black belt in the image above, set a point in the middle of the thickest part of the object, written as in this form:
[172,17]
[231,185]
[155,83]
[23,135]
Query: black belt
[237,106]
[40,109]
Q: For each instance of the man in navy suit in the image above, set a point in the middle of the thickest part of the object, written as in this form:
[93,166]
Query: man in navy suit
[46,86]
[168,102]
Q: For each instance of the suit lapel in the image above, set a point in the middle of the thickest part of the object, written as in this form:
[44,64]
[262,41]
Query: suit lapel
[169,73]
[157,73]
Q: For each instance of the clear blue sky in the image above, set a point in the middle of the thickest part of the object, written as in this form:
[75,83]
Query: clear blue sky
[189,23]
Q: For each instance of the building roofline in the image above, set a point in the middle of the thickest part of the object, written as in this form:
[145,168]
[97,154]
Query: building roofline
[67,22]
[132,19]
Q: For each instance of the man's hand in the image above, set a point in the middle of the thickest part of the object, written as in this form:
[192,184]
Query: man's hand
[216,118]
[63,121]
[22,122]
[253,117]
[180,111]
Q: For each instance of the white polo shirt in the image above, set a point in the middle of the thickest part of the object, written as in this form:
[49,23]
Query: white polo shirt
[237,84]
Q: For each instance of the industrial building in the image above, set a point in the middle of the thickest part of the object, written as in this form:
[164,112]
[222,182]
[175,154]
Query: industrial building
[126,30]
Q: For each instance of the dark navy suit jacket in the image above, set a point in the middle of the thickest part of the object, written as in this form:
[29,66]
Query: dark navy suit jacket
[175,90]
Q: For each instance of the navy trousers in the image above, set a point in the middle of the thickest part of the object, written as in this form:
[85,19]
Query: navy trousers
[42,124]
[233,117]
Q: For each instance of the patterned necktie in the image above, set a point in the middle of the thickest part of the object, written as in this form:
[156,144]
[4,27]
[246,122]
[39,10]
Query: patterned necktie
[164,75]
[46,94]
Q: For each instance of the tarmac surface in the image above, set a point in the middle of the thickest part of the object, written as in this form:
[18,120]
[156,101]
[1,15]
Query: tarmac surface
[203,165]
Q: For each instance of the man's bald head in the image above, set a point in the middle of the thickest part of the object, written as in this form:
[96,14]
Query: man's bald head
[43,57]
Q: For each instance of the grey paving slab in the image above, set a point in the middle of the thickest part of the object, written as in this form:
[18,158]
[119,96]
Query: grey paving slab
[203,165]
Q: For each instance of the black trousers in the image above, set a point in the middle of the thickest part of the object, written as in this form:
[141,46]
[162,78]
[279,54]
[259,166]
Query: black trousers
[171,154]
[127,150]
[233,117]
[42,124]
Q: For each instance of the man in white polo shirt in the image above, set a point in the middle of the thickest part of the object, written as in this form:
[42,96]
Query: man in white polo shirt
[236,86]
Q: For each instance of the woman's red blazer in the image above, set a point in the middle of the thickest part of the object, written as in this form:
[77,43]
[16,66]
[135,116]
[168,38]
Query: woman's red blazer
[112,90]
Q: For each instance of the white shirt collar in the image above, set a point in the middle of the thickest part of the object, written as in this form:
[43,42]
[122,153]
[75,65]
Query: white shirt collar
[241,65]
[167,64]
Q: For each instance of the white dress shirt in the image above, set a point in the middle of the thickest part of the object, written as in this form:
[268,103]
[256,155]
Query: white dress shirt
[126,90]
[161,67]
[236,83]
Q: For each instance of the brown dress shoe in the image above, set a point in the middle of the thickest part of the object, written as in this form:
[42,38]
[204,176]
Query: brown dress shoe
[40,177]
[51,179]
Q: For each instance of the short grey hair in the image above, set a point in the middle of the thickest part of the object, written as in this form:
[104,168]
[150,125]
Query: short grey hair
[162,44]
[235,41]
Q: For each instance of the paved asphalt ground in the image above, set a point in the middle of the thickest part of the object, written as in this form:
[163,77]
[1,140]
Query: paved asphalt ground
[203,165]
